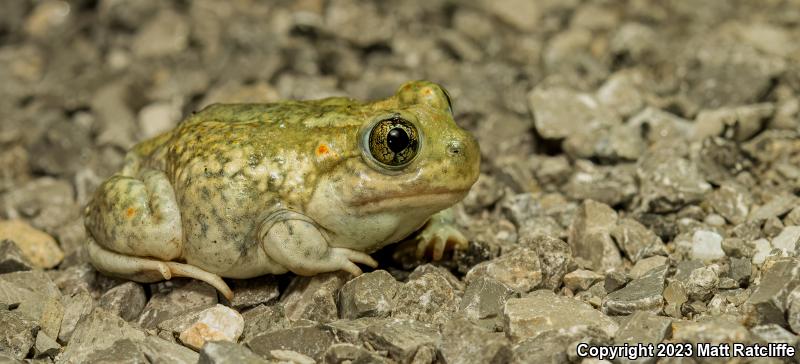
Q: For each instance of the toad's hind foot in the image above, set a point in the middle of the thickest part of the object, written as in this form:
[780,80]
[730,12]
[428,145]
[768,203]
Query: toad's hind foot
[147,270]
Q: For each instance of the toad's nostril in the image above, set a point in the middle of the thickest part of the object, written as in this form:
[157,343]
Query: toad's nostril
[455,148]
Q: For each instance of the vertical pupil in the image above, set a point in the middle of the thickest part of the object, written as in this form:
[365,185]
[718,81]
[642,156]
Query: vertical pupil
[397,140]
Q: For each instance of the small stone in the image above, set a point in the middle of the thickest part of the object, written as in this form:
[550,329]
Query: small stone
[558,346]
[17,335]
[622,92]
[616,143]
[773,333]
[224,352]
[158,117]
[76,307]
[460,339]
[349,18]
[702,282]
[714,220]
[552,170]
[313,298]
[669,182]
[429,298]
[720,329]
[645,265]
[174,297]
[369,294]
[768,302]
[778,206]
[484,300]
[307,340]
[732,201]
[658,125]
[727,301]
[451,279]
[706,245]
[520,269]
[742,122]
[561,112]
[344,353]
[634,39]
[126,300]
[402,339]
[787,239]
[45,346]
[772,226]
[675,296]
[727,283]
[594,295]
[38,247]
[263,319]
[793,309]
[77,278]
[158,350]
[762,248]
[685,269]
[581,279]
[216,323]
[740,271]
[12,259]
[636,240]
[522,15]
[611,185]
[291,357]
[167,33]
[47,18]
[46,203]
[99,331]
[737,248]
[542,311]
[793,217]
[643,294]
[350,331]
[590,236]
[615,280]
[36,297]
[121,351]
[643,328]
[249,293]
[555,258]
[485,192]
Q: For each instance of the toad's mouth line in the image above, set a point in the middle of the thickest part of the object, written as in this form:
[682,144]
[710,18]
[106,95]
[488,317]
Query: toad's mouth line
[432,197]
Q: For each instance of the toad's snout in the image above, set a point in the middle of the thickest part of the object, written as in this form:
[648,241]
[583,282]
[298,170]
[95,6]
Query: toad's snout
[464,152]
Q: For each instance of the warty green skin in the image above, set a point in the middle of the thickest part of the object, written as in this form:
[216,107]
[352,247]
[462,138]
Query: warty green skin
[242,190]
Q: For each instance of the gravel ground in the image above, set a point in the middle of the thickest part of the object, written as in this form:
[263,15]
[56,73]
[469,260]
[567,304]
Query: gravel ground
[640,176]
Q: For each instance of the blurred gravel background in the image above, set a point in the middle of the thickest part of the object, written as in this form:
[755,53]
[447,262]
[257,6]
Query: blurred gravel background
[641,170]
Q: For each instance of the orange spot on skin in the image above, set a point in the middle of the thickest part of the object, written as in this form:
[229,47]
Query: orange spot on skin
[322,150]
[129,212]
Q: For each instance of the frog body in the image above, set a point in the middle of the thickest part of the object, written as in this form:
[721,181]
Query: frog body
[243,190]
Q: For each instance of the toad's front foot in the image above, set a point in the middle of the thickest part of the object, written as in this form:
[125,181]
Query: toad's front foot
[439,235]
[295,242]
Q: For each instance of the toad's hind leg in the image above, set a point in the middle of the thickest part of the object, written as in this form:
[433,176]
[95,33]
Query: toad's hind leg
[137,215]
[148,270]
[135,230]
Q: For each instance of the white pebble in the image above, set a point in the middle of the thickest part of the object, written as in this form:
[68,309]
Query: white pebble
[706,245]
[787,239]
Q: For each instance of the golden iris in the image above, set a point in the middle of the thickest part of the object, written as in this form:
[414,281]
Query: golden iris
[394,142]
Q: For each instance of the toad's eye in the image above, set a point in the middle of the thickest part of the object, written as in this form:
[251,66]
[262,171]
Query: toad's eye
[393,142]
